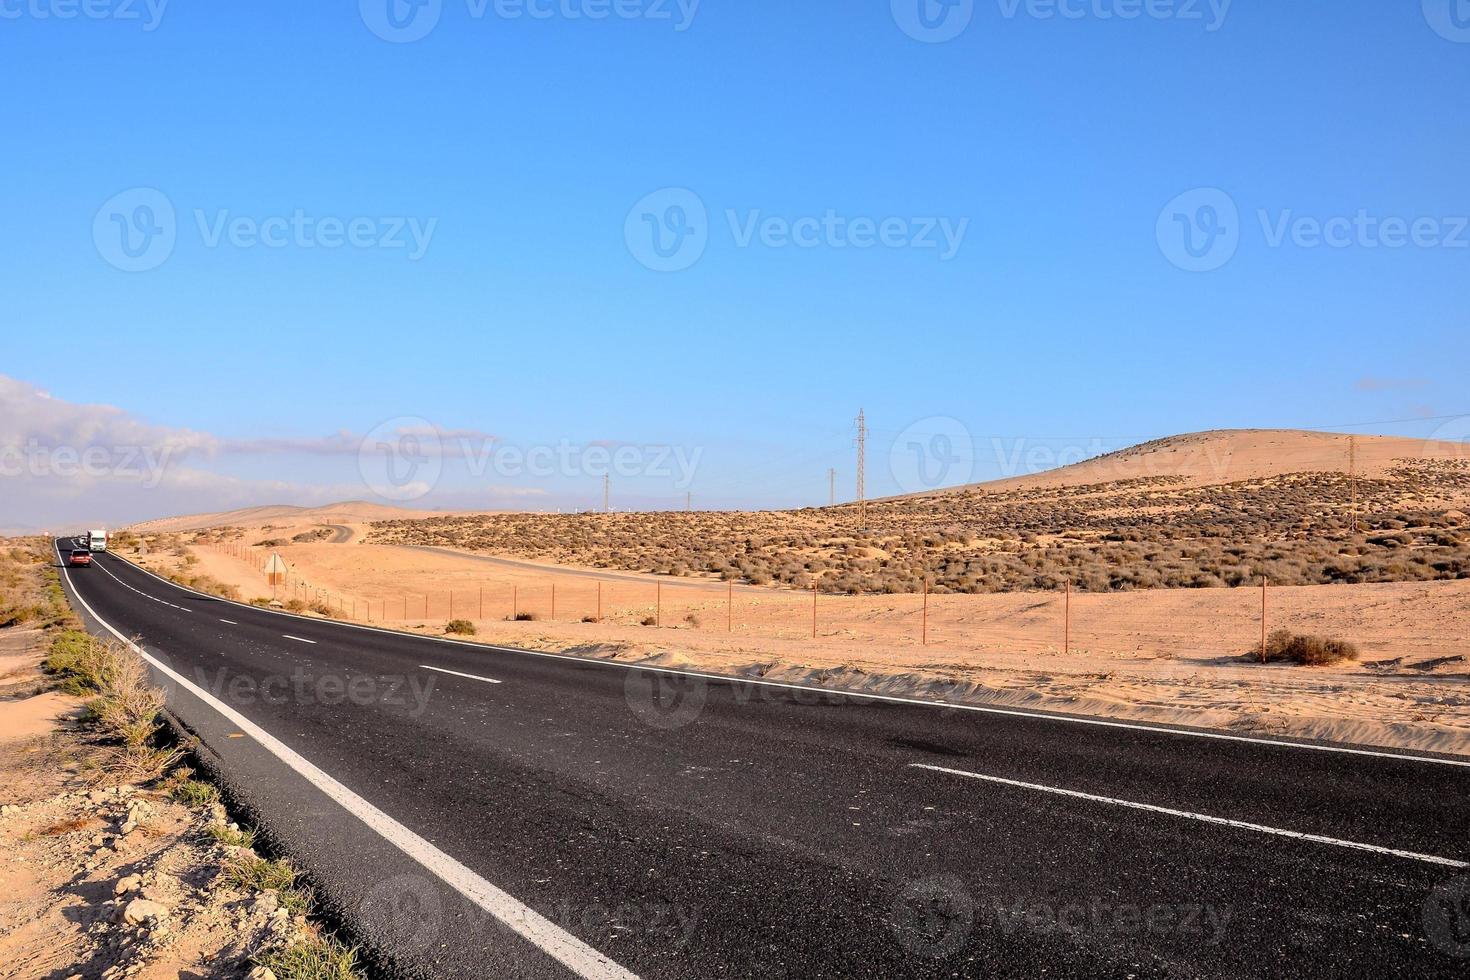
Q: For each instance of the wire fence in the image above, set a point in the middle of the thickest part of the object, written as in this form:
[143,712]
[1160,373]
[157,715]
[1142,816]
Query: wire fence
[1417,618]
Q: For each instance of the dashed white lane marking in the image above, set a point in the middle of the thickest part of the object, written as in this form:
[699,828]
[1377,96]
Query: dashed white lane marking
[556,942]
[140,591]
[473,677]
[230,621]
[298,639]
[1203,817]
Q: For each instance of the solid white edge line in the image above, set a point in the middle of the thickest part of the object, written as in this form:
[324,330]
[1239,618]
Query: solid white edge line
[298,639]
[888,698]
[1203,817]
[520,918]
[473,677]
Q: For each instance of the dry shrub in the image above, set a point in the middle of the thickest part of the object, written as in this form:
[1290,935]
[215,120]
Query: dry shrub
[460,627]
[124,710]
[1313,651]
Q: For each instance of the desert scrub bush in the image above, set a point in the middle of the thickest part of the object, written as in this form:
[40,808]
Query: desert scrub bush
[78,661]
[320,607]
[460,627]
[231,836]
[192,792]
[312,958]
[1313,651]
[124,708]
[524,617]
[295,606]
[648,621]
[250,871]
[19,614]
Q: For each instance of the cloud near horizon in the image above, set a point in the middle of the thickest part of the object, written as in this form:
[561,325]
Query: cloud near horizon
[65,462]
[1370,383]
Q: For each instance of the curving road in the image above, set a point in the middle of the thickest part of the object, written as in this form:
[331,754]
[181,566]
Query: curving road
[472,811]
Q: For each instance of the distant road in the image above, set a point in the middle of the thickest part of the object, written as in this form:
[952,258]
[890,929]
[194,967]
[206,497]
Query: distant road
[487,812]
[547,568]
[341,534]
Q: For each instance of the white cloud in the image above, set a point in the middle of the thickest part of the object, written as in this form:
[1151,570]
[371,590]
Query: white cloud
[65,463]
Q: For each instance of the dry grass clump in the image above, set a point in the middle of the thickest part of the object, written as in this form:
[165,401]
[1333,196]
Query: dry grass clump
[312,958]
[460,627]
[30,588]
[1313,651]
[124,707]
[207,584]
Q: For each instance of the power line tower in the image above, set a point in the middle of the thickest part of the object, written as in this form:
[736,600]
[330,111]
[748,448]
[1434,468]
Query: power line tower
[862,468]
[1353,478]
[606,493]
[831,488]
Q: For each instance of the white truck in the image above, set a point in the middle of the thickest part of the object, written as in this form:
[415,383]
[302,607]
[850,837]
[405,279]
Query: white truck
[97,540]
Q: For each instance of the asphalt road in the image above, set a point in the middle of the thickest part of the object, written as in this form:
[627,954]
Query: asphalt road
[482,812]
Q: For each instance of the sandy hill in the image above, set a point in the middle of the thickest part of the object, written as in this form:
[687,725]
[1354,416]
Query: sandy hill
[1208,509]
[1233,455]
[346,512]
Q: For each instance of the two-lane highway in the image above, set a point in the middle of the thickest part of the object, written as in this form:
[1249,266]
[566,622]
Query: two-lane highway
[472,811]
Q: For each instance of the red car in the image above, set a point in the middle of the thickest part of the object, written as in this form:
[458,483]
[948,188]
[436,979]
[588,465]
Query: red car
[80,556]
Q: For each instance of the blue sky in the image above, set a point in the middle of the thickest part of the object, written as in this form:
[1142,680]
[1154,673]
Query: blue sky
[1053,145]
